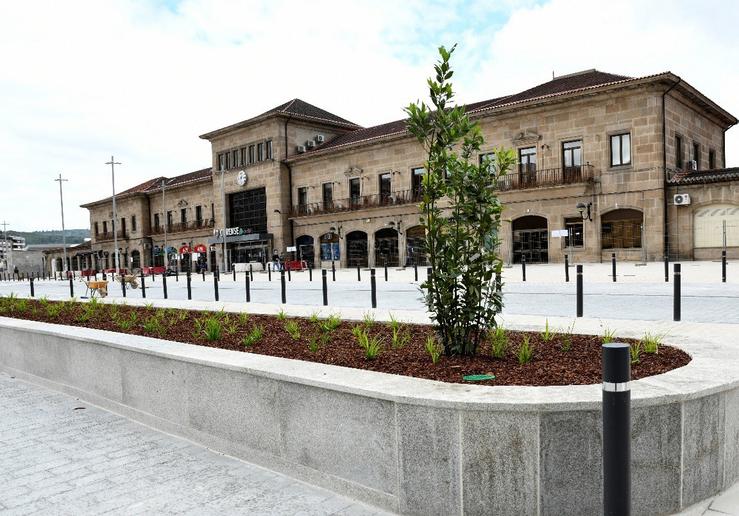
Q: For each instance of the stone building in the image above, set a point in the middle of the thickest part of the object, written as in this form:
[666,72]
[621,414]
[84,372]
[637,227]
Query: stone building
[604,165]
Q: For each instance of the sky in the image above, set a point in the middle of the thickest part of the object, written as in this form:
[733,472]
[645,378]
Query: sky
[81,81]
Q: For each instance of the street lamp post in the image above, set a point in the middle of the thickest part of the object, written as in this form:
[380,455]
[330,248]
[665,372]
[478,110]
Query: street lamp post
[166,222]
[65,267]
[6,253]
[223,234]
[112,164]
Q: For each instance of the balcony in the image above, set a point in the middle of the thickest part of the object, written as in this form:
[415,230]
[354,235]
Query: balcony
[183,226]
[528,177]
[362,202]
[108,235]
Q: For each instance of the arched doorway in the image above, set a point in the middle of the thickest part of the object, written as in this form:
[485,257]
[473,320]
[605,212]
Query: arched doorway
[135,259]
[59,265]
[621,229]
[330,247]
[386,248]
[306,249]
[415,243]
[530,239]
[357,253]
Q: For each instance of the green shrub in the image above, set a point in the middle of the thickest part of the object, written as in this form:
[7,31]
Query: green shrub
[433,349]
[153,325]
[525,351]
[314,318]
[293,329]
[371,345]
[213,329]
[254,336]
[608,336]
[369,320]
[126,324]
[243,318]
[635,352]
[651,343]
[331,323]
[566,340]
[498,342]
[281,315]
[547,335]
[313,343]
[399,337]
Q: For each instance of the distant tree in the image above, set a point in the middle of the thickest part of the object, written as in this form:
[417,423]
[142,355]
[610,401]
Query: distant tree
[461,215]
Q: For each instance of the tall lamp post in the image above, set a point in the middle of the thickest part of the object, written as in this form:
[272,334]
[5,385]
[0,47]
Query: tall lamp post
[112,164]
[6,253]
[65,267]
[223,201]
[166,221]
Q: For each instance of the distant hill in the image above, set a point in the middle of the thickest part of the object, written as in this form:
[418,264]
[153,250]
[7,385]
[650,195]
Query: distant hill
[74,236]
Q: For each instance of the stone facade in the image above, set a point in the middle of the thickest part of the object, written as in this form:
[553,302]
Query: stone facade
[597,162]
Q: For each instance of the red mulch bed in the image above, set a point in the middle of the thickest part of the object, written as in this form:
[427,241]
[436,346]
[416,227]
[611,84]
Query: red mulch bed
[550,365]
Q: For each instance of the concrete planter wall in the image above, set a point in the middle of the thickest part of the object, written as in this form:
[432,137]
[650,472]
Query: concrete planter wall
[411,446]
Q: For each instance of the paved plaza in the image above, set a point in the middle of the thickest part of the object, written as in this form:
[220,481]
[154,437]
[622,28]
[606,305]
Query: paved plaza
[60,455]
[640,292]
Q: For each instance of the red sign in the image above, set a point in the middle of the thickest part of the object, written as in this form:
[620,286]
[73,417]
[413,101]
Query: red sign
[185,249]
[200,248]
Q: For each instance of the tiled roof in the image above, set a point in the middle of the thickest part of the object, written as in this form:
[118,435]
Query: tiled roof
[698,177]
[152,185]
[557,86]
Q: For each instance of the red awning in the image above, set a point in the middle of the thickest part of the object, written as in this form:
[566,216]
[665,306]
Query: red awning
[185,249]
[200,248]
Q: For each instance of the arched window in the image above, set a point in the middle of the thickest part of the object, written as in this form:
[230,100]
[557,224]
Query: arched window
[386,248]
[621,229]
[356,249]
[415,239]
[330,247]
[135,260]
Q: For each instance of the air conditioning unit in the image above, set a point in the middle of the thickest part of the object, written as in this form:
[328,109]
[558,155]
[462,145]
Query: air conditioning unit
[310,144]
[301,149]
[692,165]
[320,139]
[681,199]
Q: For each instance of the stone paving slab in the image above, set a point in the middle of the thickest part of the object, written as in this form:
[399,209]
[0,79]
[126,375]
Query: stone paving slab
[60,455]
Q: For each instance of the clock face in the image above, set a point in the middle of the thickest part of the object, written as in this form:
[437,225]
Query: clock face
[241,178]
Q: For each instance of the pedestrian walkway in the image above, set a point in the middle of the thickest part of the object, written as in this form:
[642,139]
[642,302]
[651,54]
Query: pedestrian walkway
[60,455]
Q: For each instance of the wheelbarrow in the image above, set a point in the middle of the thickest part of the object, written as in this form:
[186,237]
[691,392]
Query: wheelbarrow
[96,287]
[129,280]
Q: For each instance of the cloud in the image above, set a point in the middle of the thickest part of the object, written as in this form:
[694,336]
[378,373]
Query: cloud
[142,79]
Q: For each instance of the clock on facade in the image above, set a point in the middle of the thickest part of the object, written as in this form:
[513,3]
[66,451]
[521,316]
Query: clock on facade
[241,178]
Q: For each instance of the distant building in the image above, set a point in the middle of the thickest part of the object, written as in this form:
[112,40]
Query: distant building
[606,164]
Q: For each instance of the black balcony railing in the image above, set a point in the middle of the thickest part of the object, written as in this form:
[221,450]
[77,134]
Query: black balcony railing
[362,202]
[527,176]
[108,235]
[183,226]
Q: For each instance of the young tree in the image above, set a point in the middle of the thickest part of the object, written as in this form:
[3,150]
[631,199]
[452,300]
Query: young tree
[461,215]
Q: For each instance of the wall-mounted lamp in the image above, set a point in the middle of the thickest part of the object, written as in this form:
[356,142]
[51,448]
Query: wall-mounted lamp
[584,210]
[395,225]
[334,231]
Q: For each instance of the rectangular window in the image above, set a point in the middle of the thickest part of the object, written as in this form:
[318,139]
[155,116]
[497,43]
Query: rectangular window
[678,152]
[268,146]
[417,181]
[212,212]
[183,216]
[489,158]
[620,149]
[156,221]
[575,236]
[260,152]
[222,161]
[355,188]
[234,158]
[105,226]
[572,161]
[199,214]
[133,222]
[123,226]
[385,187]
[302,200]
[251,154]
[169,220]
[248,210]
[328,195]
[527,167]
[697,155]
[96,229]
[242,156]
[711,159]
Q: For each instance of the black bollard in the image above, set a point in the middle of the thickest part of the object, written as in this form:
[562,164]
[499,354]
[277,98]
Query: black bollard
[71,287]
[616,429]
[189,286]
[123,288]
[613,266]
[234,274]
[385,270]
[333,271]
[667,269]
[676,296]
[373,285]
[105,278]
[164,284]
[269,272]
[176,276]
[282,286]
[567,268]
[579,291]
[248,287]
[310,274]
[415,271]
[153,275]
[143,285]
[32,287]
[203,271]
[523,267]
[251,273]
[723,266]
[215,284]
[289,277]
[325,287]
[359,273]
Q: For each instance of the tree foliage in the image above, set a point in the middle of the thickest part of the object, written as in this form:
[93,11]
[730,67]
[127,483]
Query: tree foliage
[461,214]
